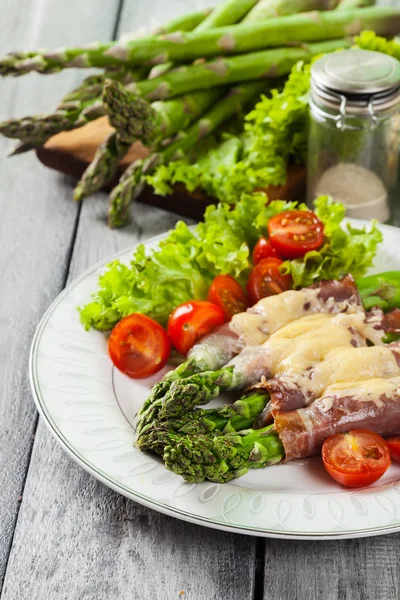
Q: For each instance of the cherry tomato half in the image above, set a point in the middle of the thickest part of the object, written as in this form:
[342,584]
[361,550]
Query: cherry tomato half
[263,249]
[394,446]
[191,321]
[226,293]
[295,232]
[139,346]
[357,458]
[266,280]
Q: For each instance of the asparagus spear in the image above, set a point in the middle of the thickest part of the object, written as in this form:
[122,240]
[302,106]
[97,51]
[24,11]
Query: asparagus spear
[227,13]
[267,64]
[75,109]
[35,130]
[181,46]
[350,4]
[135,119]
[376,291]
[226,419]
[267,9]
[382,290]
[186,22]
[222,458]
[103,167]
[233,103]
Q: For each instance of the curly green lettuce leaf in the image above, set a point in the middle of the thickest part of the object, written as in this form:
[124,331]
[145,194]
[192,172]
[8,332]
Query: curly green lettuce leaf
[275,133]
[180,269]
[184,264]
[368,40]
[346,249]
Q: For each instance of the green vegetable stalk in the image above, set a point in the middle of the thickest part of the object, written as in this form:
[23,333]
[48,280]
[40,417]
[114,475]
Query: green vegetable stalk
[185,47]
[227,13]
[351,4]
[84,104]
[135,119]
[382,290]
[233,103]
[36,130]
[268,64]
[226,419]
[268,9]
[222,458]
[186,22]
[103,167]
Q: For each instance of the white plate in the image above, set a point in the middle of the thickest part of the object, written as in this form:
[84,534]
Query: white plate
[89,407]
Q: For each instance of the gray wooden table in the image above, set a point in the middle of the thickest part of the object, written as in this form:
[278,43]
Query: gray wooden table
[63,535]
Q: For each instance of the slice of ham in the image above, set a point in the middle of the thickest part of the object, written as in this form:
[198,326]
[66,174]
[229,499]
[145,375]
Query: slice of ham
[254,326]
[373,404]
[292,390]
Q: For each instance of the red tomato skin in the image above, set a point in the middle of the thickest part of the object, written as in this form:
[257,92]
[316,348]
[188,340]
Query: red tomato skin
[394,446]
[368,472]
[295,232]
[263,249]
[265,280]
[191,321]
[138,346]
[226,293]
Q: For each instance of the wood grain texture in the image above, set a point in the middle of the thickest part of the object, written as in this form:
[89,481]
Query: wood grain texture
[76,539]
[359,569]
[37,226]
[70,152]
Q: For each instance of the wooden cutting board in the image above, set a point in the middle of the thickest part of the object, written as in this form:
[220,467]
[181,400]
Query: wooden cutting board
[70,153]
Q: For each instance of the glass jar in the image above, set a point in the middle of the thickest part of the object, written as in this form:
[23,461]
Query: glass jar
[353,133]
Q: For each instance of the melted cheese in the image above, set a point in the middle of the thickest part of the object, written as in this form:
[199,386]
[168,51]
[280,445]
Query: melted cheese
[272,313]
[345,365]
[298,346]
[370,390]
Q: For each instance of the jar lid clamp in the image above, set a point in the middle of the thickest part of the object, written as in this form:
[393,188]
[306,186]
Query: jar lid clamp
[355,83]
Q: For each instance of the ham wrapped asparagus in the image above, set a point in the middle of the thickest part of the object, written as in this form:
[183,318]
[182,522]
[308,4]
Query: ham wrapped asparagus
[265,318]
[372,404]
[297,345]
[295,388]
[270,314]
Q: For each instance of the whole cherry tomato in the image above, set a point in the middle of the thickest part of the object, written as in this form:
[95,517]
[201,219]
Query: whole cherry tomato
[191,321]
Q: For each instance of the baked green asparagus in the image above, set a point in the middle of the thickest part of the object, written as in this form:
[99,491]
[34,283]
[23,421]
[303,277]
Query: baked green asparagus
[222,458]
[226,419]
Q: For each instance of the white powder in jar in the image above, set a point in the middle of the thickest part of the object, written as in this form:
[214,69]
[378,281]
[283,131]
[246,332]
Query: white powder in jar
[360,190]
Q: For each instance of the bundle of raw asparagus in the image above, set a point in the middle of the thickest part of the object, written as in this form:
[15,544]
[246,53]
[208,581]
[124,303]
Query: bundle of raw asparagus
[187,80]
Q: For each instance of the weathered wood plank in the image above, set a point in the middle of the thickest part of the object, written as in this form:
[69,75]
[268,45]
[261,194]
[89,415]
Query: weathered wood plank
[331,570]
[95,544]
[76,539]
[37,225]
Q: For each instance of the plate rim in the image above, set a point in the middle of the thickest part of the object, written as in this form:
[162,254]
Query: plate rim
[137,496]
